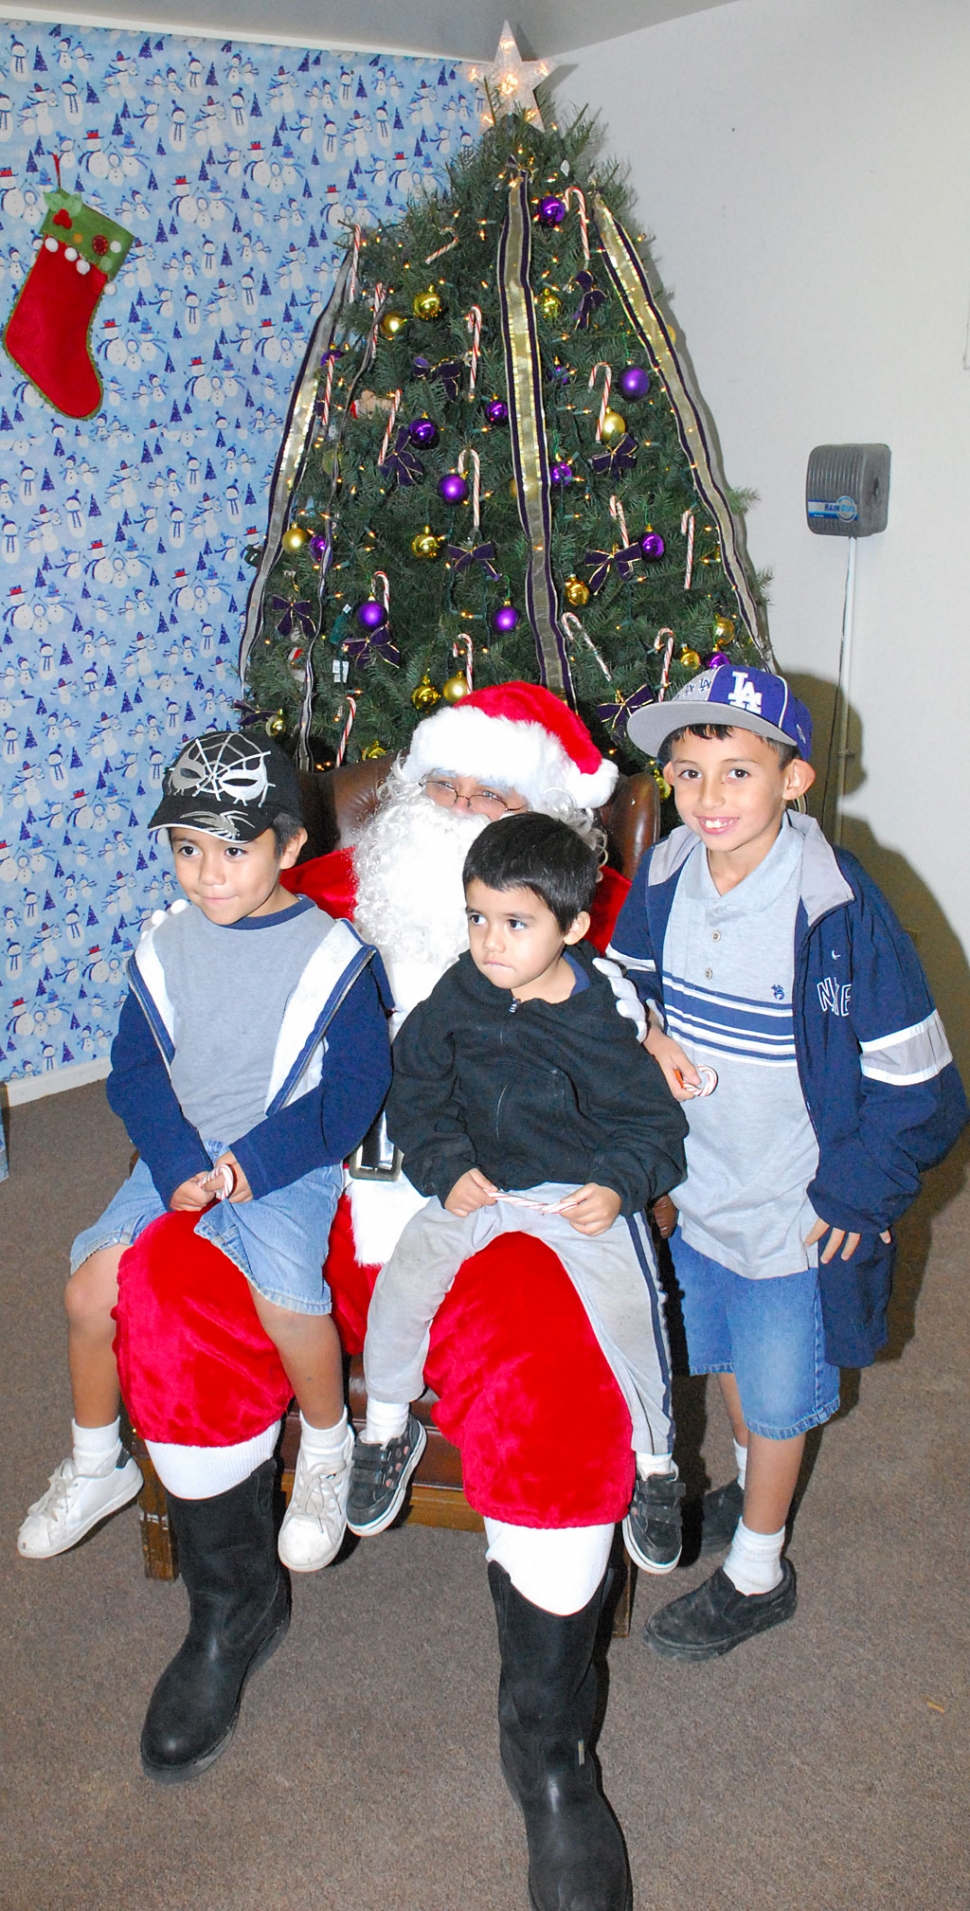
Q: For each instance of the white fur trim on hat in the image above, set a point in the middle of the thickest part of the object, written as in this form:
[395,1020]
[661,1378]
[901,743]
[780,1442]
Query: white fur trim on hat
[515,756]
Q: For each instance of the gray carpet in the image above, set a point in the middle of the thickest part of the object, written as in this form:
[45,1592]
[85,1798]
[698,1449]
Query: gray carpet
[824,1767]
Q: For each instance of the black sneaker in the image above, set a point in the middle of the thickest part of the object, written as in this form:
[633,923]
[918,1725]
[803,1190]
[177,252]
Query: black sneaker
[720,1511]
[379,1478]
[715,1617]
[651,1530]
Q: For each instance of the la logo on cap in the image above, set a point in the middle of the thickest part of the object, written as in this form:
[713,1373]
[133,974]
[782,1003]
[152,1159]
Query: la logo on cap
[744,696]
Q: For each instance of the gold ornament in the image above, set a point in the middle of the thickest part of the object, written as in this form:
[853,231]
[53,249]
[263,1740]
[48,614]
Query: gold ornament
[393,323]
[549,303]
[576,592]
[455,688]
[690,659]
[276,724]
[426,543]
[373,749]
[295,538]
[725,631]
[427,304]
[425,696]
[613,426]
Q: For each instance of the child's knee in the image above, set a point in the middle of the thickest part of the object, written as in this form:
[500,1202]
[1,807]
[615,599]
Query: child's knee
[92,1292]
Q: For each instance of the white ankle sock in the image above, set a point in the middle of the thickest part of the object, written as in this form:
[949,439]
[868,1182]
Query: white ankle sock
[322,1443]
[651,1464]
[96,1448]
[386,1420]
[741,1459]
[753,1564]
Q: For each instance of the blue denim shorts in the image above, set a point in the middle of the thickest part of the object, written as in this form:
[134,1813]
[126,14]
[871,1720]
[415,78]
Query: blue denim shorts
[767,1333]
[279,1242]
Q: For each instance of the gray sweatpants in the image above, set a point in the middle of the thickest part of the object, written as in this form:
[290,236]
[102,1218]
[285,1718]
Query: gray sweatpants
[614,1274]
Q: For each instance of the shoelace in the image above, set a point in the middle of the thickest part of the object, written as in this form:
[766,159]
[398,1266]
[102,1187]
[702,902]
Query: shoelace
[316,1492]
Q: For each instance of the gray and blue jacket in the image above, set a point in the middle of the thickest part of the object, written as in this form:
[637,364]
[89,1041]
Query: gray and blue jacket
[875,1068]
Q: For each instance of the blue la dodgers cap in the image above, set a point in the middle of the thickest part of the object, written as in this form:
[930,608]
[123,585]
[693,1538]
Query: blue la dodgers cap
[728,694]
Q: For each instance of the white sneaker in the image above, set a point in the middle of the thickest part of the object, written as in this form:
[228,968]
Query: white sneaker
[73,1503]
[315,1522]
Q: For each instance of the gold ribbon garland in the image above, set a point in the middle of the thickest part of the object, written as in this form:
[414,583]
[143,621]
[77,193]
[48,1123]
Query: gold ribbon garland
[529,451]
[630,280]
[292,457]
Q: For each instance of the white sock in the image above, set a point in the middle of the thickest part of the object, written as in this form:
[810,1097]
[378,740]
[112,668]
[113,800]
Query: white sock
[96,1449]
[322,1443]
[741,1457]
[753,1564]
[651,1464]
[386,1420]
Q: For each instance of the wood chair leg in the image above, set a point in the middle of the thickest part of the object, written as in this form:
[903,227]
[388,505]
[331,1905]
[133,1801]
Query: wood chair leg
[158,1547]
[623,1610]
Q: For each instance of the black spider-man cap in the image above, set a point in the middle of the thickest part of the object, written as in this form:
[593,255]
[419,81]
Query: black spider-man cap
[228,784]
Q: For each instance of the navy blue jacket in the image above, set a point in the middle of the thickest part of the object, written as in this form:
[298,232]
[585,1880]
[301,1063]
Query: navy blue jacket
[879,1082]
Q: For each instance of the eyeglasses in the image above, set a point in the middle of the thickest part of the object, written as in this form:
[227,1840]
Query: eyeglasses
[483,802]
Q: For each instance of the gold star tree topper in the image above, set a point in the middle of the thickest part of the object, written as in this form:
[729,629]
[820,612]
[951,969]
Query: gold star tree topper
[510,82]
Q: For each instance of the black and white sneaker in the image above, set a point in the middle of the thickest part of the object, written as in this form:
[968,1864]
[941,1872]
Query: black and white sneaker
[651,1530]
[379,1478]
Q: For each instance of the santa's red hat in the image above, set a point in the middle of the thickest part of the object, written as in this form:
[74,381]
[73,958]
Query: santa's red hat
[519,737]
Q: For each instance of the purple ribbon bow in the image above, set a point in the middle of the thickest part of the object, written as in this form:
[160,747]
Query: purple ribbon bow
[592,297]
[301,614]
[617,715]
[450,373]
[618,457]
[621,561]
[461,556]
[365,645]
[401,462]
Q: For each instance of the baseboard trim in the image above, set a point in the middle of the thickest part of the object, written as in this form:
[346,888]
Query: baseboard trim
[54,1081]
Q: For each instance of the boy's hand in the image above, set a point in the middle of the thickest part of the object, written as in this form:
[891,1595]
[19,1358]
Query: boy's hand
[193,1194]
[592,1209]
[835,1240]
[473,1190]
[241,1190]
[679,1072]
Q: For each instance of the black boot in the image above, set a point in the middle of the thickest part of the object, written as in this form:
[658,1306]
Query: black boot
[239,1601]
[547,1709]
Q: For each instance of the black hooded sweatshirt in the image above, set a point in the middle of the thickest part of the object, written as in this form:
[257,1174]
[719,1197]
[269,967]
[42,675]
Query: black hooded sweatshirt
[532,1091]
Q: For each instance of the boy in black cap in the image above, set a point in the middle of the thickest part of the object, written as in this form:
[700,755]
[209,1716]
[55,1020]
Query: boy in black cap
[791,1015]
[251,1056]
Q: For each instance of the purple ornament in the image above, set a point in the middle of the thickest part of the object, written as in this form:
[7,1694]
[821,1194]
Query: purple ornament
[423,432]
[371,615]
[452,488]
[318,545]
[420,366]
[715,660]
[496,411]
[634,382]
[551,211]
[561,474]
[652,546]
[505,618]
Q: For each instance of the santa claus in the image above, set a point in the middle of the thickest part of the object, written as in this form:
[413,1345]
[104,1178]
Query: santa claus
[512,1352]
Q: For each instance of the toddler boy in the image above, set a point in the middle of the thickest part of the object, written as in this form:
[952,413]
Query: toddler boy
[251,1056]
[773,964]
[523,1101]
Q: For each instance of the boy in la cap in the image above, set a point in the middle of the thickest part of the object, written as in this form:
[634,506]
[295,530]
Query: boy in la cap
[251,1056]
[790,1014]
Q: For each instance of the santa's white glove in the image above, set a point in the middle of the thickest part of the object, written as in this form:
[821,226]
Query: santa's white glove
[628,1003]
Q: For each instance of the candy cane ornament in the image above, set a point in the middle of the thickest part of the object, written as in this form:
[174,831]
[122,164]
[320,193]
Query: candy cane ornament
[391,422]
[473,320]
[616,512]
[571,193]
[668,659]
[573,628]
[380,577]
[687,530]
[463,643]
[472,458]
[345,732]
[605,403]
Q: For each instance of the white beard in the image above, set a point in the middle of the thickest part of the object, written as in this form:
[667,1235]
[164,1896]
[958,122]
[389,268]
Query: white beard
[410,901]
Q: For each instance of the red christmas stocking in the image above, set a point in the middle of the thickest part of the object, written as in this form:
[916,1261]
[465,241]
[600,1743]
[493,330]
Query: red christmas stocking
[81,250]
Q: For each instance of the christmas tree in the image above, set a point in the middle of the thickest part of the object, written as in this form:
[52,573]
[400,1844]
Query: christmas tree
[495,466]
